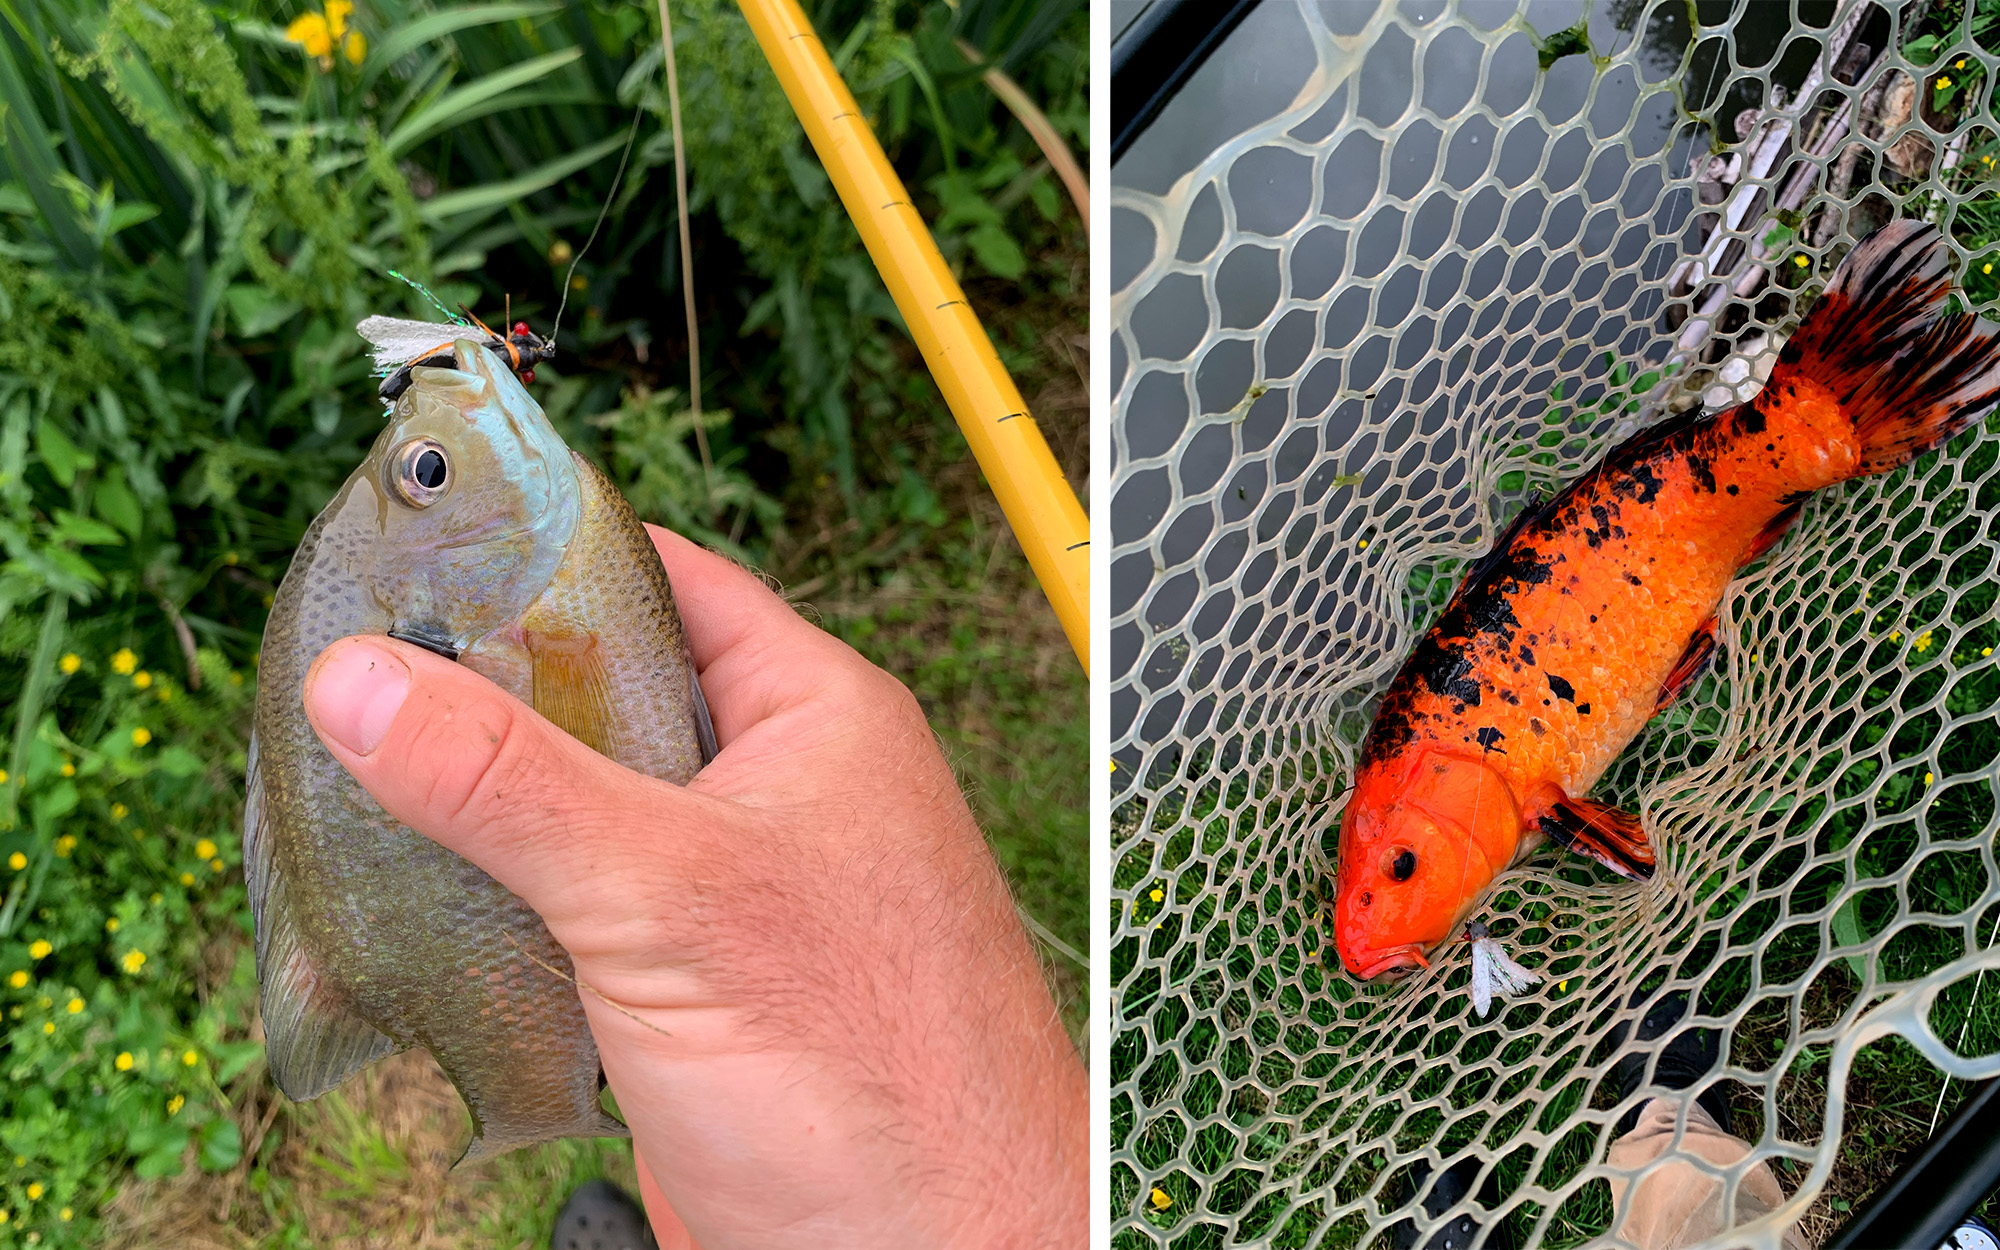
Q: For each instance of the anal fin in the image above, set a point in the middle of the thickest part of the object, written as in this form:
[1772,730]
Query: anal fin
[312,1037]
[1609,835]
[1688,669]
[1773,530]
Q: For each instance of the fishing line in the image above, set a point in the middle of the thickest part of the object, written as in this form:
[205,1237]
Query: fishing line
[577,259]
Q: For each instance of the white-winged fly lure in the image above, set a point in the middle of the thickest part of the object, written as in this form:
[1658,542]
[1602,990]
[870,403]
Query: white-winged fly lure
[401,345]
[1494,973]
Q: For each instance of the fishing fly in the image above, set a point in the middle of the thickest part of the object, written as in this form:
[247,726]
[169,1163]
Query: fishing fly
[1494,973]
[401,345]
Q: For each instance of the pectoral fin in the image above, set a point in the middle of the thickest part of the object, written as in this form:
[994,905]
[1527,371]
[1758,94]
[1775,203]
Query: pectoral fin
[572,689]
[1609,835]
[312,1037]
[1688,669]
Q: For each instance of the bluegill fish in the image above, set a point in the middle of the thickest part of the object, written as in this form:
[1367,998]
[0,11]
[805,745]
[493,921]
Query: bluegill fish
[472,530]
[1597,609]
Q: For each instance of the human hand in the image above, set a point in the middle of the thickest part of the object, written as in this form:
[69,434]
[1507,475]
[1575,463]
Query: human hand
[808,985]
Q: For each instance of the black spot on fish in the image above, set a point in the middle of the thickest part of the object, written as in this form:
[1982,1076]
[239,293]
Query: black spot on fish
[1749,419]
[1508,696]
[1562,688]
[1702,473]
[1731,488]
[1583,709]
[1535,724]
[1770,447]
[1634,579]
[1593,618]
[1527,656]
[1489,739]
[1644,485]
[1445,670]
[1791,354]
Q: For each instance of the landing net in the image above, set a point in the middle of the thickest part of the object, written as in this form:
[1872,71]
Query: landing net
[1474,253]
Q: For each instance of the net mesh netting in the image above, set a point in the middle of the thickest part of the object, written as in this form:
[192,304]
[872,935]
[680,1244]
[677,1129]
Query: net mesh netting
[1451,273]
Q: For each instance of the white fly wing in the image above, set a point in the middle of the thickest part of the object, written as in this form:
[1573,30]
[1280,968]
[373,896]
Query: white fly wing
[1494,973]
[398,341]
[1513,978]
[1482,976]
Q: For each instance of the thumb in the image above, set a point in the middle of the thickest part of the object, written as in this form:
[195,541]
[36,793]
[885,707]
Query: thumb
[461,761]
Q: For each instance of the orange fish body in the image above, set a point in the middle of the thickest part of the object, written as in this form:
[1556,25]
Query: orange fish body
[1597,608]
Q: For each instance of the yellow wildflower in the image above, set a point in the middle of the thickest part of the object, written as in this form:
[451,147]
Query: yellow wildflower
[164,693]
[1924,641]
[123,661]
[67,1214]
[1157,895]
[579,284]
[34,1190]
[48,1026]
[1943,83]
[18,978]
[355,46]
[1801,261]
[4,1215]
[123,1062]
[229,557]
[70,663]
[68,769]
[215,865]
[111,924]
[133,960]
[1364,544]
[141,736]
[175,1104]
[39,948]
[189,1058]
[204,849]
[3,776]
[1928,778]
[155,897]
[1896,636]
[17,861]
[1987,651]
[236,679]
[1989,264]
[310,32]
[560,252]
[64,845]
[142,679]
[74,1006]
[119,811]
[187,878]
[1161,1199]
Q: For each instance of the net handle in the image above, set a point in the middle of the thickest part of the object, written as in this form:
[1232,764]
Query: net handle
[1039,505]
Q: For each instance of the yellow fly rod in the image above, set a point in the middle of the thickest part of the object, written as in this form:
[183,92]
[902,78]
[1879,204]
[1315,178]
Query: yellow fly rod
[1047,519]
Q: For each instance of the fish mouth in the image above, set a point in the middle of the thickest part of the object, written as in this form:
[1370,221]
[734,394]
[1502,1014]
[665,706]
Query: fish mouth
[1395,963]
[431,642]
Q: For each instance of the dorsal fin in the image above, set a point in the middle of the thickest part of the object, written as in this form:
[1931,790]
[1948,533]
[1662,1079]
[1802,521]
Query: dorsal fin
[1536,509]
[312,1037]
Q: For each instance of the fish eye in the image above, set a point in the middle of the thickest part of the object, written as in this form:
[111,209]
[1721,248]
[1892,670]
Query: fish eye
[1404,865]
[419,473]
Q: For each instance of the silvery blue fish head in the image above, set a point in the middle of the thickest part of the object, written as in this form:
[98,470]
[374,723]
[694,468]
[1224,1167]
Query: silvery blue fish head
[475,498]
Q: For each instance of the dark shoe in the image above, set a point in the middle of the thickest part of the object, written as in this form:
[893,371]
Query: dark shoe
[601,1216]
[1688,1056]
[1451,1185]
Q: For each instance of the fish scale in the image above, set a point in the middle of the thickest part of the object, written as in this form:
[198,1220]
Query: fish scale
[372,938]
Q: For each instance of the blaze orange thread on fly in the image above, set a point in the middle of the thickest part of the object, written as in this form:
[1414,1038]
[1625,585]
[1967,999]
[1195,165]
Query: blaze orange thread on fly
[1597,608]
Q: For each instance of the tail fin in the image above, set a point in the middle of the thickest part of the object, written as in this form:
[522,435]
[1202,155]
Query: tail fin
[1908,376]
